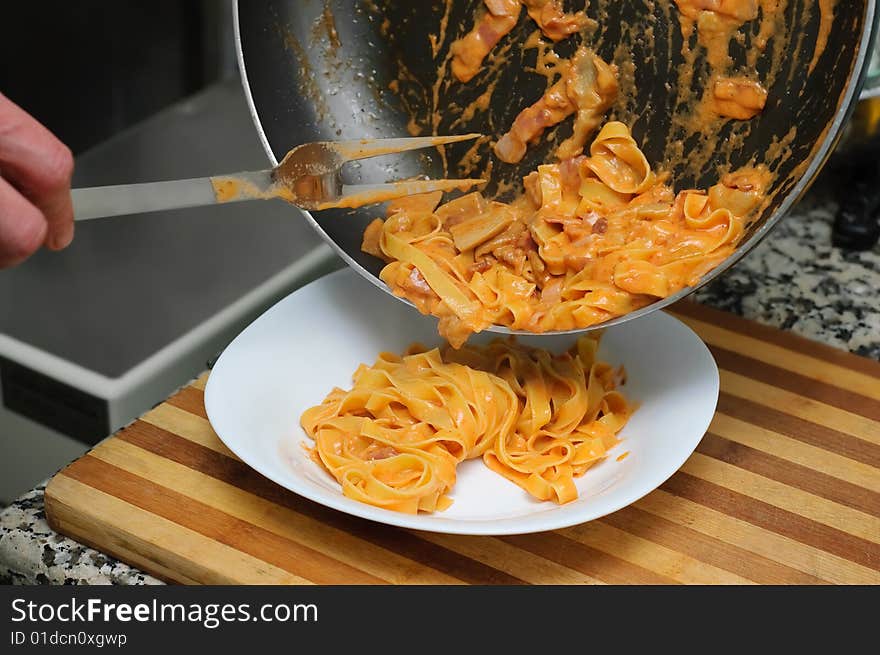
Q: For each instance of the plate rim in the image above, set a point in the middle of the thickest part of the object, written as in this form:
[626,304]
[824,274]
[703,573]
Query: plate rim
[544,522]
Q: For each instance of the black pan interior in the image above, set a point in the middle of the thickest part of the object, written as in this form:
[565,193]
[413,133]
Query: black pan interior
[325,70]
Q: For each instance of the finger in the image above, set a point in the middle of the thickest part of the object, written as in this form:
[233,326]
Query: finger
[23,227]
[40,167]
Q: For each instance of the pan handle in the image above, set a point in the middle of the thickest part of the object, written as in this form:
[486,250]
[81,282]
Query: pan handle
[127,199]
[123,199]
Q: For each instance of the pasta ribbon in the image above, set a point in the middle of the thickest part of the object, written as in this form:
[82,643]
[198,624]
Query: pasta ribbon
[395,438]
[540,420]
[618,162]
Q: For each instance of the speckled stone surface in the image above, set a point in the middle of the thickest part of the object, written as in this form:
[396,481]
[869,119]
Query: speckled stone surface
[795,280]
[32,553]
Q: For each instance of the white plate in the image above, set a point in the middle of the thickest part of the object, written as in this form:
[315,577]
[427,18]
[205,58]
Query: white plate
[293,355]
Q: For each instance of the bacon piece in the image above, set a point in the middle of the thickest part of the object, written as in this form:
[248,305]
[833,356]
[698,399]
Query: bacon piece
[738,98]
[553,108]
[469,52]
[600,226]
[482,265]
[416,286]
[499,20]
[740,10]
[570,175]
[554,22]
[588,87]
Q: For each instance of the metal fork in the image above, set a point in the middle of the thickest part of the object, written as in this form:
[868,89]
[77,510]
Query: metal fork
[309,176]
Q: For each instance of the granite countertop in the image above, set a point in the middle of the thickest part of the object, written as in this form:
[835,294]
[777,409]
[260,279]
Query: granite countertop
[795,280]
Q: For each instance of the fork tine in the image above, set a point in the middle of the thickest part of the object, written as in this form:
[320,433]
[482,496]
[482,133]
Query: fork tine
[358,195]
[366,148]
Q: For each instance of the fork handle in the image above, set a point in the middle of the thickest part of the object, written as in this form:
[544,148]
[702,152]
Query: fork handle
[123,199]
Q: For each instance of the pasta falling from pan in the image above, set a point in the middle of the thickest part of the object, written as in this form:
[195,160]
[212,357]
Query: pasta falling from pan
[395,438]
[594,237]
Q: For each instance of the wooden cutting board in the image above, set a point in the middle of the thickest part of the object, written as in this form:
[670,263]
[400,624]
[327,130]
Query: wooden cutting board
[783,489]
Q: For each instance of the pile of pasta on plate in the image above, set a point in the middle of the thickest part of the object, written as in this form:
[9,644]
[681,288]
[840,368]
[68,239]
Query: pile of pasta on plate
[395,438]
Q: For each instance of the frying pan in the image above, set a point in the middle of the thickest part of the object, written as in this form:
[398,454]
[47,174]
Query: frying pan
[342,69]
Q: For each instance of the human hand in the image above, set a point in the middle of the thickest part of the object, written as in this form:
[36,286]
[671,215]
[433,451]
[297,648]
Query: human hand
[35,172]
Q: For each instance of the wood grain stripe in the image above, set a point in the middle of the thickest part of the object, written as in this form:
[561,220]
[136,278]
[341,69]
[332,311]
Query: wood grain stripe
[235,472]
[516,562]
[800,429]
[586,559]
[194,428]
[792,450]
[796,383]
[650,555]
[706,548]
[811,367]
[190,400]
[284,522]
[775,519]
[746,342]
[755,539]
[855,523]
[214,524]
[785,339]
[186,556]
[800,407]
[794,475]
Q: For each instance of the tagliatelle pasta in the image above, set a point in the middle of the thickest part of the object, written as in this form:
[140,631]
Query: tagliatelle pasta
[594,237]
[395,438]
[555,23]
[570,411]
[540,420]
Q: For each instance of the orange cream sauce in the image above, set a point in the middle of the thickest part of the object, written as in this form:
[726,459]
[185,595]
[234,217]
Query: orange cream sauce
[826,17]
[233,189]
[714,25]
[400,189]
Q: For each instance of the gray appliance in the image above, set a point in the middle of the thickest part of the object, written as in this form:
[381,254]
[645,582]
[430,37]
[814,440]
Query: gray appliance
[94,336]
